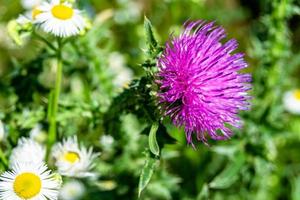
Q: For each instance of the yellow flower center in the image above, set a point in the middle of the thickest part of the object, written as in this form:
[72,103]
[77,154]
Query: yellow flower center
[62,12]
[35,12]
[71,157]
[27,185]
[297,94]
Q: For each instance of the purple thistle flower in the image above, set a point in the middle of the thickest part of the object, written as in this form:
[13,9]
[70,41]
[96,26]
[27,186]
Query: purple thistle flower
[200,87]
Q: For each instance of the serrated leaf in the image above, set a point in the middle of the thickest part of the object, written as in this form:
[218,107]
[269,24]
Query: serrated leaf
[146,174]
[153,145]
[229,175]
[149,35]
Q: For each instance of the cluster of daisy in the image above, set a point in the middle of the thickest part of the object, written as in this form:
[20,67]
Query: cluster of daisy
[55,17]
[30,178]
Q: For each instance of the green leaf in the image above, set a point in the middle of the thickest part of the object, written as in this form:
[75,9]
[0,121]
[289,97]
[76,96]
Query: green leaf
[296,189]
[229,175]
[153,145]
[204,194]
[13,31]
[149,35]
[146,174]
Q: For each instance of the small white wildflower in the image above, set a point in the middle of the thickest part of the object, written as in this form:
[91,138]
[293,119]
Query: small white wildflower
[30,4]
[38,134]
[291,101]
[106,141]
[73,160]
[72,190]
[123,75]
[131,12]
[27,151]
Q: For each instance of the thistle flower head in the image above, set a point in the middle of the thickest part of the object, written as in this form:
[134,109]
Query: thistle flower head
[200,86]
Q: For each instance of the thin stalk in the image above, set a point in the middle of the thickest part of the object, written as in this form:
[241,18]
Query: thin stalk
[3,158]
[54,98]
[51,46]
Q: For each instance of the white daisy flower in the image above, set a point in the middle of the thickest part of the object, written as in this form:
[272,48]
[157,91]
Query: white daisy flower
[59,19]
[23,20]
[106,141]
[72,190]
[29,181]
[291,101]
[27,151]
[37,134]
[122,74]
[30,4]
[73,160]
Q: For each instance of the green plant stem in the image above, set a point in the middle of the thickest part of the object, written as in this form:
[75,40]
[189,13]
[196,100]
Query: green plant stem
[45,41]
[53,104]
[3,158]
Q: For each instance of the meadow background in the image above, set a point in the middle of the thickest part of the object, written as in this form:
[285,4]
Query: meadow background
[261,161]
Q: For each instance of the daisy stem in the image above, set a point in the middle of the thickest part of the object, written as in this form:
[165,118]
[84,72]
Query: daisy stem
[3,159]
[45,41]
[54,97]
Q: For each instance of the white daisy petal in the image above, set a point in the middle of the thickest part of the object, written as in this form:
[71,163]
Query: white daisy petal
[122,74]
[30,4]
[37,134]
[29,181]
[59,19]
[27,151]
[72,190]
[73,160]
[291,102]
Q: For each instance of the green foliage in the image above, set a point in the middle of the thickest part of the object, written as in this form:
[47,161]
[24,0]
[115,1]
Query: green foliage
[153,145]
[146,174]
[148,157]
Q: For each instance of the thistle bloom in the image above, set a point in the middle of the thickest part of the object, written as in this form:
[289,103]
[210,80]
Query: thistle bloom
[200,87]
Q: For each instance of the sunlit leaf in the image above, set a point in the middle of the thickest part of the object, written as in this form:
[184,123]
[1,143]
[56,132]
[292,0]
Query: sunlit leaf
[229,175]
[149,35]
[153,145]
[146,174]
[204,194]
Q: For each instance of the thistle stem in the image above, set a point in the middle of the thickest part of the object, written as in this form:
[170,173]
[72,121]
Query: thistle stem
[54,98]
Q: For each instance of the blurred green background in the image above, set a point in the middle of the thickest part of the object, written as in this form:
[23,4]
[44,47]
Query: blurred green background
[260,162]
